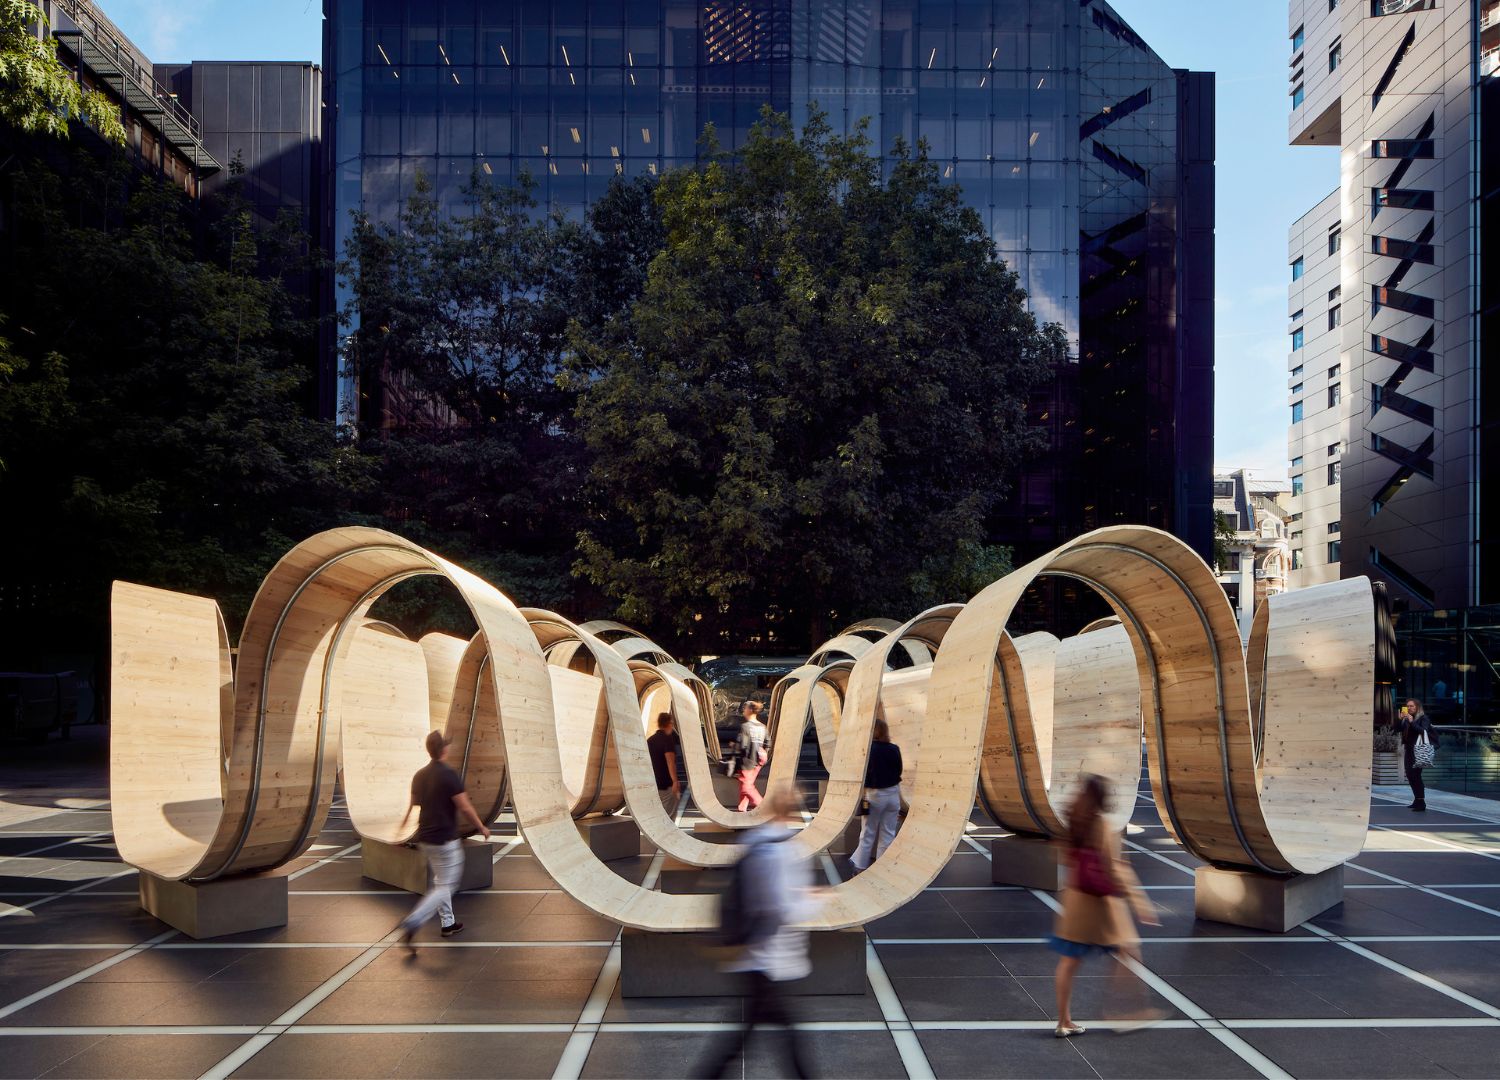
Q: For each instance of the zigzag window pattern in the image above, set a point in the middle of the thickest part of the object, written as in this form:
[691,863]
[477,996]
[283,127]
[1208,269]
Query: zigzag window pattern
[1383,296]
[1409,250]
[1402,148]
[1389,198]
[1418,355]
[1111,113]
[1390,69]
[1402,576]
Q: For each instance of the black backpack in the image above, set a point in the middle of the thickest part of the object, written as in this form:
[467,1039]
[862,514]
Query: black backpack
[738,925]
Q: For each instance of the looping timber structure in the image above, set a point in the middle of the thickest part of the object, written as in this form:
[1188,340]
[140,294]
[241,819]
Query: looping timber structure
[1258,763]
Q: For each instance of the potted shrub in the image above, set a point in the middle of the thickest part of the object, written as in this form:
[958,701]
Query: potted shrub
[1387,757]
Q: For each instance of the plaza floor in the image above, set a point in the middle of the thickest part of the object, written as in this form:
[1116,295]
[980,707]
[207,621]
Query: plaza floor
[1402,979]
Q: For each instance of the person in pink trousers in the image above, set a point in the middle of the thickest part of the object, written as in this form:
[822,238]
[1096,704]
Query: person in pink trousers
[752,754]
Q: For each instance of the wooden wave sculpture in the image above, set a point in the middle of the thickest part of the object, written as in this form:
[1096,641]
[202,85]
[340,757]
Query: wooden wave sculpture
[252,756]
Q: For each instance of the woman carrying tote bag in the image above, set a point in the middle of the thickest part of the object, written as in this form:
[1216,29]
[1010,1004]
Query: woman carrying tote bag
[1097,903]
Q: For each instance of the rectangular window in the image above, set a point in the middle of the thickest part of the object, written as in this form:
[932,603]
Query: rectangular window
[1411,303]
[1335,292]
[1333,472]
[1402,249]
[1335,54]
[1296,316]
[1334,449]
[1334,527]
[1298,96]
[1296,558]
[1297,484]
[1403,148]
[1296,412]
[1296,463]
[1335,394]
[1383,198]
[1379,8]
[1297,389]
[1332,4]
[1335,316]
[1297,338]
[1333,239]
[1335,371]
[1298,37]
[1333,550]
[1295,517]
[1296,371]
[1297,269]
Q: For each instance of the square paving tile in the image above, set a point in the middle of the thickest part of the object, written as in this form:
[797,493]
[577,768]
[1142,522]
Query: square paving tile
[295,1055]
[1336,1054]
[147,1056]
[1003,1054]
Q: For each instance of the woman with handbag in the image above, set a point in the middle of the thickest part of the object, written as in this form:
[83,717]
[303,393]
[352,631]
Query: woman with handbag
[1420,743]
[1097,902]
[751,753]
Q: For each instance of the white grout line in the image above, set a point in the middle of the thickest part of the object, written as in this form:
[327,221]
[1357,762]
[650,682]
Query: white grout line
[16,909]
[913,1056]
[1368,1022]
[576,1053]
[1432,892]
[295,874]
[89,839]
[78,976]
[1181,1002]
[1465,848]
[1411,973]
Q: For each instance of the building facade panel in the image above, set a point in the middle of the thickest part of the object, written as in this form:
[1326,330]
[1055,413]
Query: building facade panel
[1072,140]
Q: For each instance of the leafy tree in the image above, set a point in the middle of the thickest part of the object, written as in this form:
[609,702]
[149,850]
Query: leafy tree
[1223,537]
[458,323]
[151,418]
[815,403]
[37,92]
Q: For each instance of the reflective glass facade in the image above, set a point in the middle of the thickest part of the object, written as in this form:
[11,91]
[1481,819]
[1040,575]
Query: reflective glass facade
[1069,136]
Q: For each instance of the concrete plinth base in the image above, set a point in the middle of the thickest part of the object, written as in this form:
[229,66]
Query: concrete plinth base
[611,838]
[1028,861]
[684,965]
[405,867]
[1263,901]
[691,881]
[230,905]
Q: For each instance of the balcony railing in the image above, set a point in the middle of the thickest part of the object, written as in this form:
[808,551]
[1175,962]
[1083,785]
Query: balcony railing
[98,48]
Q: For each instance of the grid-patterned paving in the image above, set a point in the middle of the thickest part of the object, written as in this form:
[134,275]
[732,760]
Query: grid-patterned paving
[1403,979]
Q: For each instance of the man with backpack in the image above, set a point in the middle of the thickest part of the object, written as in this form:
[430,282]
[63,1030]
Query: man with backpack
[770,891]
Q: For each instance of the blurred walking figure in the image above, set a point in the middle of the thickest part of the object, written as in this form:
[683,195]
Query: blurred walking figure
[752,754]
[1101,892]
[771,892]
[883,792]
[1419,742]
[438,793]
[663,748]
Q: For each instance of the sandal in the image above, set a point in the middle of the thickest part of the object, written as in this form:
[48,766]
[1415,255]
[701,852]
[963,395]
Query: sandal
[1067,1031]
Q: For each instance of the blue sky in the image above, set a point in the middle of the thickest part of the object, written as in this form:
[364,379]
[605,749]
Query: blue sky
[1263,185]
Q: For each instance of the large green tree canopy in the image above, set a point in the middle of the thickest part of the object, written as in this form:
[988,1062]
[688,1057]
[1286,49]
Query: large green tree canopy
[816,401]
[37,93]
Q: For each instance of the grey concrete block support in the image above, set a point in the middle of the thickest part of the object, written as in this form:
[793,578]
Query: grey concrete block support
[405,866]
[686,965]
[1028,861]
[1264,901]
[611,838]
[209,909]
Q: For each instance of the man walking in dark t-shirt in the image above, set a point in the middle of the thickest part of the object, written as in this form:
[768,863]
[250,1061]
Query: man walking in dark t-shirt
[663,747]
[438,793]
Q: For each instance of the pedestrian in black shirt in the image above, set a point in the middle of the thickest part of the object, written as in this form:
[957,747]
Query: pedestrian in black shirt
[438,793]
[663,747]
[883,791]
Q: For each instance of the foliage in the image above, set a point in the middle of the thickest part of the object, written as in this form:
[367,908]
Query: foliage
[37,92]
[462,320]
[815,403]
[1386,740]
[1223,537]
[152,417]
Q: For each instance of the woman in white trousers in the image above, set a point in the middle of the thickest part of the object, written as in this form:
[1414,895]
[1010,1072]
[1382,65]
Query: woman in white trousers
[883,792]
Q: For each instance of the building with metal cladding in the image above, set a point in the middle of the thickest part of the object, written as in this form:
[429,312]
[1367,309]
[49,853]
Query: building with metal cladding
[1088,158]
[1394,409]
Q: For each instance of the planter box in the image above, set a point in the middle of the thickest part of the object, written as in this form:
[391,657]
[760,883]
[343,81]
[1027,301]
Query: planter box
[1386,767]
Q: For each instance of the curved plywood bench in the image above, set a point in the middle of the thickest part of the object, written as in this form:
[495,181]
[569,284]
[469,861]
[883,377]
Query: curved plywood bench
[476,745]
[1059,710]
[256,755]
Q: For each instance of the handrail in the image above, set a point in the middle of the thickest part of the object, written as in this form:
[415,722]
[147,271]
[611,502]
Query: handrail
[103,37]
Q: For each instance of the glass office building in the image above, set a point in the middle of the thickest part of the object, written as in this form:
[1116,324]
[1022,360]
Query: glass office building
[1088,158]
